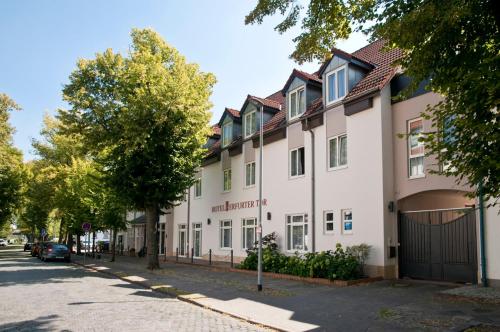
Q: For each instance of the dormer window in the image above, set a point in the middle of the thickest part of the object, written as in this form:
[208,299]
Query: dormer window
[296,102]
[250,123]
[336,85]
[227,133]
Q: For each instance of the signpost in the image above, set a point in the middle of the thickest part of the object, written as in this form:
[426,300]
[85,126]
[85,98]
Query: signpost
[43,233]
[86,228]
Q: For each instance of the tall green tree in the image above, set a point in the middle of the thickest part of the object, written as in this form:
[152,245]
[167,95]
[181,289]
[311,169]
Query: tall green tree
[11,164]
[455,43]
[145,114]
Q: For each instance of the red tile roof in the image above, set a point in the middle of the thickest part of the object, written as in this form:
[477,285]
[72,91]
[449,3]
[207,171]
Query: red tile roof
[314,107]
[233,112]
[266,102]
[382,73]
[215,129]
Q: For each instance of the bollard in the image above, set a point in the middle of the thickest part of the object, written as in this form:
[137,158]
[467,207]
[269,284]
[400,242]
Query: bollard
[176,254]
[210,257]
[231,258]
[192,255]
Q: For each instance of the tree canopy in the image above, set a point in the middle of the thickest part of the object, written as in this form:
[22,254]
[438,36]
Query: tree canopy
[11,164]
[145,117]
[454,43]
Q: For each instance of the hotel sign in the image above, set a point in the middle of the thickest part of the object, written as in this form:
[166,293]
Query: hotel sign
[227,206]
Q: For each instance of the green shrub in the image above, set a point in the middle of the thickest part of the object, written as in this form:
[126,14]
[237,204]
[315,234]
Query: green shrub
[339,264]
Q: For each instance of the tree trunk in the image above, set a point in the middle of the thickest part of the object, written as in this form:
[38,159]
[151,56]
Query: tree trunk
[152,218]
[70,242]
[61,229]
[78,244]
[113,245]
[93,244]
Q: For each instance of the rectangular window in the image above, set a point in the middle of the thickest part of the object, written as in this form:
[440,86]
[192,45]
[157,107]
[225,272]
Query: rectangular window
[337,151]
[226,234]
[329,224]
[336,84]
[227,133]
[297,162]
[346,221]
[250,123]
[197,188]
[249,231]
[296,233]
[227,179]
[415,148]
[296,102]
[250,174]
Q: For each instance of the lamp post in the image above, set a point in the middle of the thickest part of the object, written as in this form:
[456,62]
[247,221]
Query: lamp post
[261,152]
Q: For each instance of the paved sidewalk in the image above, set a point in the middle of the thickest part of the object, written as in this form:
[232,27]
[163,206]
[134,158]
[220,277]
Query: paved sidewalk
[296,306]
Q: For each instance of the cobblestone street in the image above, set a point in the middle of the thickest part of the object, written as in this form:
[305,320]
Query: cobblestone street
[54,296]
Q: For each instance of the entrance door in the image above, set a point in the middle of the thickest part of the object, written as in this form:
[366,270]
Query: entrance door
[182,240]
[197,240]
[438,245]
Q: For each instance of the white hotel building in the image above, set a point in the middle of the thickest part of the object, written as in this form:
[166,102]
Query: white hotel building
[334,171]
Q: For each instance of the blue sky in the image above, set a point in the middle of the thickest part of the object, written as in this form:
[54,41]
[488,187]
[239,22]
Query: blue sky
[41,41]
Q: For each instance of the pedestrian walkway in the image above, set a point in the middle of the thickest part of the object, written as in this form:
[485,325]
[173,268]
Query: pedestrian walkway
[296,306]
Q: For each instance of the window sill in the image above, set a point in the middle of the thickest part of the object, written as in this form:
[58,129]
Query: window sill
[295,177]
[226,192]
[226,249]
[416,177]
[197,197]
[334,103]
[350,233]
[249,187]
[330,169]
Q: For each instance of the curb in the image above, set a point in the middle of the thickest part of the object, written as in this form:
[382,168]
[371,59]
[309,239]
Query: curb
[180,297]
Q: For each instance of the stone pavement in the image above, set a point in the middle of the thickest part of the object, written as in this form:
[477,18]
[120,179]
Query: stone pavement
[296,306]
[57,296]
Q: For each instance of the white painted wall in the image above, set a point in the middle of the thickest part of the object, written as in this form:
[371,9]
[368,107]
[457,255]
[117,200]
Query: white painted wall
[492,231]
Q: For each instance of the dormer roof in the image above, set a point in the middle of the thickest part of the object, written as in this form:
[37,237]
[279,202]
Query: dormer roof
[231,112]
[306,77]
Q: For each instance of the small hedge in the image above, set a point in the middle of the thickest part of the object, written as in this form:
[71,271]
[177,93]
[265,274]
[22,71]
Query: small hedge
[338,264]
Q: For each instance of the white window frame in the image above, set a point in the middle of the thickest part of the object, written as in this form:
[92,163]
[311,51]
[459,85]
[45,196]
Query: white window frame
[197,187]
[222,227]
[297,102]
[244,227]
[247,165]
[297,161]
[325,222]
[330,167]
[415,155]
[253,124]
[289,232]
[227,136]
[226,175]
[335,71]
[182,228]
[343,216]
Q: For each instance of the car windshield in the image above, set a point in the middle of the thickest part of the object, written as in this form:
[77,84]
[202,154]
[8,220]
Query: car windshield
[60,246]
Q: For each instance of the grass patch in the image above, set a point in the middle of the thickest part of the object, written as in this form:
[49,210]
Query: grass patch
[386,313]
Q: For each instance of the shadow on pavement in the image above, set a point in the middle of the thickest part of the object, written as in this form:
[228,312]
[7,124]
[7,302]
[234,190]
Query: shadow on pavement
[38,324]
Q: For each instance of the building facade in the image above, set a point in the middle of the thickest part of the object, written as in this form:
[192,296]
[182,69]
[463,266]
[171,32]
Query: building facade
[335,170]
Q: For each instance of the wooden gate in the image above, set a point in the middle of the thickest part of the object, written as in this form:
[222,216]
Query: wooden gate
[438,245]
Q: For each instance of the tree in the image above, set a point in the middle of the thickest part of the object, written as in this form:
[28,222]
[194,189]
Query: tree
[454,43]
[11,164]
[145,115]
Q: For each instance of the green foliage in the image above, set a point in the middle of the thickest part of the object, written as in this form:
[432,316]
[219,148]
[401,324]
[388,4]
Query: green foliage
[11,164]
[145,118]
[454,43]
[338,264]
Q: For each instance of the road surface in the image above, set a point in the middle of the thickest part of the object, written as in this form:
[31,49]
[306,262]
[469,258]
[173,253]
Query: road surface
[53,296]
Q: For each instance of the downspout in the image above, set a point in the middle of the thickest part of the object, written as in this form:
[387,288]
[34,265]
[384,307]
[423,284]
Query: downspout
[188,220]
[313,190]
[484,279]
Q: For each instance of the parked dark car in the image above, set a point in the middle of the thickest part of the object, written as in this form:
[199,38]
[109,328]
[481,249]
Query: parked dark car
[52,251]
[35,249]
[27,246]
